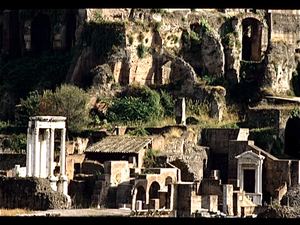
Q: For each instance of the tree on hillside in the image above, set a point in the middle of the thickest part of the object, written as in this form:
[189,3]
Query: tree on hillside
[67,100]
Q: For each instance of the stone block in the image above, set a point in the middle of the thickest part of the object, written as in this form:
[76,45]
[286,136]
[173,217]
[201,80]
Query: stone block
[210,202]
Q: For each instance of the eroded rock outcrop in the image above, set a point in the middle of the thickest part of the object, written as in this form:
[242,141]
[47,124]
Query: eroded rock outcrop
[30,193]
[280,64]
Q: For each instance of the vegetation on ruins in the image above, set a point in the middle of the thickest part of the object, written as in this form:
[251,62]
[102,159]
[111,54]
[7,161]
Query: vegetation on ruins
[103,35]
[142,105]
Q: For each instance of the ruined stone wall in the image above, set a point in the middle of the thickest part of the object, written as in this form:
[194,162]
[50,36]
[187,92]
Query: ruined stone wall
[218,139]
[118,171]
[284,26]
[30,193]
[269,116]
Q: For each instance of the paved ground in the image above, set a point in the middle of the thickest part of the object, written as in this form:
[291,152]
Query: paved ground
[80,212]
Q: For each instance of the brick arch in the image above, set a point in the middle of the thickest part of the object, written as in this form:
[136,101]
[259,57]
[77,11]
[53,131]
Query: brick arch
[251,39]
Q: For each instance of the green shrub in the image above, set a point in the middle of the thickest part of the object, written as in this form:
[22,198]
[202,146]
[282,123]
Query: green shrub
[167,103]
[141,50]
[150,158]
[142,105]
[139,131]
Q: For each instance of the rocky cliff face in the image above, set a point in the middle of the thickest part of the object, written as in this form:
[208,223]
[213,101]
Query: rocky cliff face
[280,65]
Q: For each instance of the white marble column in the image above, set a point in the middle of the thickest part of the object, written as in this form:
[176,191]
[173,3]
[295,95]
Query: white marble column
[63,187]
[43,154]
[53,180]
[36,157]
[29,153]
[47,137]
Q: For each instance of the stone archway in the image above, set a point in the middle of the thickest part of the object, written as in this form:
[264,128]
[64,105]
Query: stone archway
[251,42]
[40,33]
[153,190]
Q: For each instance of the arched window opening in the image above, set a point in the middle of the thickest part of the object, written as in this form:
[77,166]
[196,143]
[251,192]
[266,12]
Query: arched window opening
[40,33]
[252,32]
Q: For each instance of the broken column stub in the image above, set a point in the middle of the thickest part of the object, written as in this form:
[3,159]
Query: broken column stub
[40,150]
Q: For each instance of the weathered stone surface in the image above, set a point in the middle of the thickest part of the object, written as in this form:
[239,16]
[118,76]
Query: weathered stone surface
[31,193]
[280,64]
[102,74]
[212,54]
[292,197]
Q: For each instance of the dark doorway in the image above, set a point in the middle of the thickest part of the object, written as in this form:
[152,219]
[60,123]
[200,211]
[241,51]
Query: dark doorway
[70,30]
[249,181]
[220,162]
[292,140]
[251,49]
[141,194]
[153,191]
[40,33]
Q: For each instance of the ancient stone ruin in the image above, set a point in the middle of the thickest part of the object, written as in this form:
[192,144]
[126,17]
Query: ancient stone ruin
[217,57]
[39,180]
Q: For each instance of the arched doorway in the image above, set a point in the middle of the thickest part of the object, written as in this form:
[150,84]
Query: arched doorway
[40,33]
[252,32]
[153,191]
[141,194]
[292,134]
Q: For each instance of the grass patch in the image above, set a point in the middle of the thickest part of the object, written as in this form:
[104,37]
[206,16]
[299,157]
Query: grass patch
[14,212]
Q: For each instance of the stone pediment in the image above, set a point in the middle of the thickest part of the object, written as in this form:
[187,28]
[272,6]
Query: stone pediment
[249,155]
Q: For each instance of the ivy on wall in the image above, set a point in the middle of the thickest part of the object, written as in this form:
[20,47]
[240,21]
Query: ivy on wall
[103,35]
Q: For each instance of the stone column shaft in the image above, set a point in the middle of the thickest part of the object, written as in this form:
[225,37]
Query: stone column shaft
[63,152]
[29,153]
[36,159]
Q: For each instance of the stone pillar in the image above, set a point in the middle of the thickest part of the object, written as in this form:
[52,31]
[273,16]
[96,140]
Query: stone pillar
[171,197]
[53,180]
[63,186]
[133,202]
[29,152]
[43,153]
[180,111]
[47,137]
[228,199]
[36,156]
